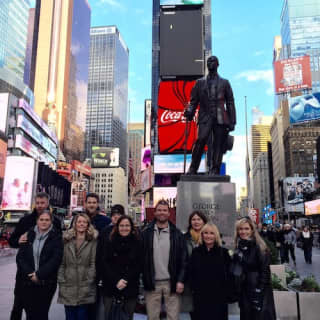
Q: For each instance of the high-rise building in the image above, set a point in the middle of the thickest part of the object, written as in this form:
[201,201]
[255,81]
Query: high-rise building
[107,110]
[300,33]
[61,71]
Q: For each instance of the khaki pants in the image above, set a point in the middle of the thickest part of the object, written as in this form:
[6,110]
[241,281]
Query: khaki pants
[171,300]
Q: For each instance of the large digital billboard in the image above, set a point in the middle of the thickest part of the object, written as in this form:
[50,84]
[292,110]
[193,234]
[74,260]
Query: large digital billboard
[294,190]
[147,122]
[312,207]
[169,194]
[173,98]
[173,163]
[18,183]
[292,74]
[179,2]
[3,155]
[145,158]
[4,100]
[105,157]
[304,108]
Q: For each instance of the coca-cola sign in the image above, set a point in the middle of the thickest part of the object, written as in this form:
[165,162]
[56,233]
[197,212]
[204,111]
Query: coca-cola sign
[174,97]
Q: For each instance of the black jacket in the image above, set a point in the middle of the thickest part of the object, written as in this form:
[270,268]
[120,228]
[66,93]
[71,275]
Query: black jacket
[50,259]
[25,224]
[177,257]
[121,259]
[255,275]
[307,243]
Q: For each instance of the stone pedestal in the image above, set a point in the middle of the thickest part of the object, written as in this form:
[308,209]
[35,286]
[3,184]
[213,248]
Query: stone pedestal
[214,197]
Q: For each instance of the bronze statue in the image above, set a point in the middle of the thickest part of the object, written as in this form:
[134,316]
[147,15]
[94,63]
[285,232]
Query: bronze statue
[217,117]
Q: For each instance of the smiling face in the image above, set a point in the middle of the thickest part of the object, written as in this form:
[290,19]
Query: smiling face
[44,222]
[81,224]
[208,237]
[124,228]
[245,231]
[41,204]
[162,213]
[91,206]
[196,223]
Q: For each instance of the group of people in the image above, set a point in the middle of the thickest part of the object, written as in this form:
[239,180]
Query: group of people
[189,272]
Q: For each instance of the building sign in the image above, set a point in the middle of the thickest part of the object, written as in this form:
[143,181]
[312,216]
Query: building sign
[18,183]
[145,158]
[4,100]
[169,194]
[3,156]
[147,122]
[173,98]
[80,167]
[294,190]
[179,2]
[292,74]
[304,108]
[312,207]
[254,215]
[64,169]
[105,157]
[146,179]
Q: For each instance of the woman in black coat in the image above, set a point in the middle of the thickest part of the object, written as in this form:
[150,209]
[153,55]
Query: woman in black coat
[121,262]
[306,238]
[209,281]
[38,261]
[252,258]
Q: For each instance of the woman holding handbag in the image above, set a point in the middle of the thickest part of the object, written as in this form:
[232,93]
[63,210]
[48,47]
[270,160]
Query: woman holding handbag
[76,278]
[121,262]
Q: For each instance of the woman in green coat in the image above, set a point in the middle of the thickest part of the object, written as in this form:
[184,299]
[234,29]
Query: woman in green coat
[76,277]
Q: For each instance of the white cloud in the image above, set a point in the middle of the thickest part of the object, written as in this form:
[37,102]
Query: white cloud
[259,75]
[113,3]
[75,48]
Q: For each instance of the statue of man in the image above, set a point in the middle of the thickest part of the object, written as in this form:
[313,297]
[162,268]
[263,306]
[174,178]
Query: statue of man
[217,117]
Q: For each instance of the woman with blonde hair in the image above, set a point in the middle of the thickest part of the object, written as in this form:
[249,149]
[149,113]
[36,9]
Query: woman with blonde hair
[76,277]
[208,266]
[251,267]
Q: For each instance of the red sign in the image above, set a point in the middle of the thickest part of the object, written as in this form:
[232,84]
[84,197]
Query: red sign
[64,169]
[80,167]
[254,215]
[173,98]
[292,74]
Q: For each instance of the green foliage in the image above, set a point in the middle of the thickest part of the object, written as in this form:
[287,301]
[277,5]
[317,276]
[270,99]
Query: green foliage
[276,283]
[273,252]
[310,284]
[290,275]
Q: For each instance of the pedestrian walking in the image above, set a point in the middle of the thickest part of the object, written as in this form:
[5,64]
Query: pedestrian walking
[251,267]
[164,264]
[76,276]
[306,238]
[196,221]
[19,237]
[208,267]
[290,240]
[279,238]
[121,264]
[38,261]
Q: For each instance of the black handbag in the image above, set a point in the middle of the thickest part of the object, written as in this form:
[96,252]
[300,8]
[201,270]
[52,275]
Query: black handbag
[117,311]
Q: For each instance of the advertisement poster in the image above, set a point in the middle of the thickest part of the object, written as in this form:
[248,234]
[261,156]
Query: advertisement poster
[18,183]
[4,98]
[292,74]
[179,2]
[105,157]
[312,207]
[146,179]
[3,155]
[304,108]
[173,98]
[145,158]
[147,122]
[294,190]
[168,194]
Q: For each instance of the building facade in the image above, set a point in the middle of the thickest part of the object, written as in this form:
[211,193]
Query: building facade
[111,186]
[107,107]
[61,71]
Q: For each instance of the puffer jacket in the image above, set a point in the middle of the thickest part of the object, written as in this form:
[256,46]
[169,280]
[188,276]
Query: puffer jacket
[177,257]
[76,277]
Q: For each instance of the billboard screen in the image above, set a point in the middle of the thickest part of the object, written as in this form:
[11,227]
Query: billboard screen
[169,194]
[3,155]
[292,74]
[173,163]
[4,99]
[145,158]
[294,190]
[105,157]
[173,97]
[304,108]
[312,207]
[146,179]
[18,183]
[179,2]
[147,122]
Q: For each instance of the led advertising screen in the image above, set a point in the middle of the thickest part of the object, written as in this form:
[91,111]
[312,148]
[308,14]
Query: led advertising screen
[179,2]
[4,99]
[146,179]
[169,194]
[304,108]
[18,183]
[105,157]
[145,158]
[294,190]
[173,163]
[292,74]
[147,122]
[312,207]
[3,155]
[173,98]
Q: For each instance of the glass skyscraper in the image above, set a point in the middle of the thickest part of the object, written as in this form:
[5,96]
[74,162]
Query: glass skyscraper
[300,33]
[107,107]
[13,35]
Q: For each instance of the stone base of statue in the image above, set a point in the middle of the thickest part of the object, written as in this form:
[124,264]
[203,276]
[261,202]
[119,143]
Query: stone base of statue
[215,196]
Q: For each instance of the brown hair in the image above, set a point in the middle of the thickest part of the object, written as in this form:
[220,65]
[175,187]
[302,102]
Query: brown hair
[91,233]
[45,212]
[115,230]
[162,202]
[201,215]
[215,230]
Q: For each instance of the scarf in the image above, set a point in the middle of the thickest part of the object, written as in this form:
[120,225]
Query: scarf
[195,236]
[306,234]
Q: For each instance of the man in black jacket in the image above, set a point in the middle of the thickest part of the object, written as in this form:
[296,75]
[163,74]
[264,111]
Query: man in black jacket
[19,237]
[164,264]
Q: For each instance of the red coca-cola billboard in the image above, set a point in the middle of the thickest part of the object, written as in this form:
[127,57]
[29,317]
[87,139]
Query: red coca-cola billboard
[173,98]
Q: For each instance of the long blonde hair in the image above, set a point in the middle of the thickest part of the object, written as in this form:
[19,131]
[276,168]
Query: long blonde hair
[214,228]
[255,234]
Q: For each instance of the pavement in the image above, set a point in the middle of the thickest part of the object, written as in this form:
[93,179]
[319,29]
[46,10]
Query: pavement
[8,270]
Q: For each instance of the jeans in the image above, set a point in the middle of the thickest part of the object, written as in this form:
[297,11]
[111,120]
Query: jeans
[77,312]
[16,313]
[289,248]
[308,254]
